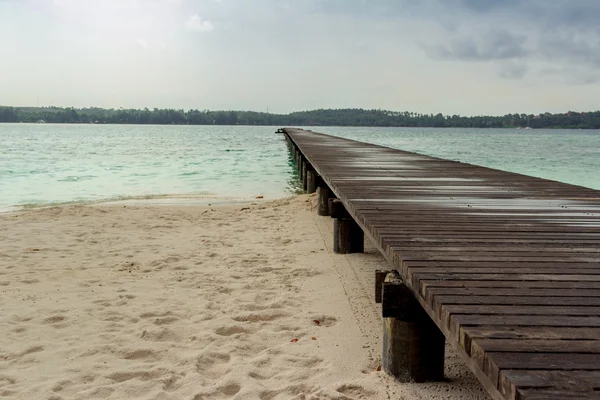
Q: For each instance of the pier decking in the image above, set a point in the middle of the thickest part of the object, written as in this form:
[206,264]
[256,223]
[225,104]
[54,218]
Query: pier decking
[507,266]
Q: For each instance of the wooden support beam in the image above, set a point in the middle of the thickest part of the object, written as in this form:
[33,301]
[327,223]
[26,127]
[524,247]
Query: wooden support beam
[323,201]
[303,174]
[379,279]
[413,346]
[311,181]
[320,182]
[348,236]
[337,209]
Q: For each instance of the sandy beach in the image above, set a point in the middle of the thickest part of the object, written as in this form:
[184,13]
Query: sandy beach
[180,302]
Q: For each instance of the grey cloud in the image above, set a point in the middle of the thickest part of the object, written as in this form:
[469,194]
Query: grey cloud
[488,5]
[494,45]
[563,33]
[572,48]
[513,70]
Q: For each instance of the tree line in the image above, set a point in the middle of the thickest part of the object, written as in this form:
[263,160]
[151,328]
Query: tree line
[321,117]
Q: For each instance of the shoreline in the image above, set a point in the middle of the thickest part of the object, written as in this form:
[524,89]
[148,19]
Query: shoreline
[173,200]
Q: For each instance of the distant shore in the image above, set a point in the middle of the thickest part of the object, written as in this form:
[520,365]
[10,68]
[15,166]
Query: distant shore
[323,117]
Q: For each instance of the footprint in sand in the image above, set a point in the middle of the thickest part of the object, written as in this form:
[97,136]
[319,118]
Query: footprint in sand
[165,320]
[303,361]
[213,364]
[55,319]
[232,330]
[355,392]
[140,354]
[324,320]
[224,392]
[60,385]
[31,350]
[162,335]
[260,377]
[260,317]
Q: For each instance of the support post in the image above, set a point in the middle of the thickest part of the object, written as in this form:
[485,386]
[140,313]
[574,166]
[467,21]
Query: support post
[303,174]
[379,279]
[323,201]
[311,181]
[413,346]
[348,237]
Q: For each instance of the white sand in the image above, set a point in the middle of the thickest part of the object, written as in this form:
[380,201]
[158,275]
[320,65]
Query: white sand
[156,302]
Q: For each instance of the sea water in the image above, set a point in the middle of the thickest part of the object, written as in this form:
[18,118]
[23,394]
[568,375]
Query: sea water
[43,164]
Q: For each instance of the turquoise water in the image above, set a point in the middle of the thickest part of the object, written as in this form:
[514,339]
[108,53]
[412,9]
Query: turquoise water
[44,164]
[570,156]
[48,164]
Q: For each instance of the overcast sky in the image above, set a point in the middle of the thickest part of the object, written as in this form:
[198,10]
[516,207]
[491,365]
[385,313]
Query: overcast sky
[451,56]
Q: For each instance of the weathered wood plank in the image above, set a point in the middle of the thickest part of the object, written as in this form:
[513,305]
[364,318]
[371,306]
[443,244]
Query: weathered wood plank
[521,310]
[515,300]
[541,382]
[537,346]
[498,291]
[529,332]
[565,394]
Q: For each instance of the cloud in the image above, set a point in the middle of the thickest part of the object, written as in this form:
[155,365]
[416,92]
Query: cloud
[560,34]
[494,45]
[197,24]
[513,69]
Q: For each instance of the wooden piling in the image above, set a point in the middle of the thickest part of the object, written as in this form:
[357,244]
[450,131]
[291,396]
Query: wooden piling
[323,201]
[379,279]
[311,181]
[348,236]
[413,346]
[303,174]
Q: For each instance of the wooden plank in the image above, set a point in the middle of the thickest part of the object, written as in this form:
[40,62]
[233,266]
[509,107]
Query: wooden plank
[545,382]
[502,270]
[459,324]
[525,292]
[495,362]
[400,256]
[425,284]
[566,394]
[515,300]
[483,352]
[495,264]
[562,251]
[538,346]
[529,332]
[416,277]
[521,310]
[524,320]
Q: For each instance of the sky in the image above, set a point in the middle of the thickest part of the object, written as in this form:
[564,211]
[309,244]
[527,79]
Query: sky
[467,57]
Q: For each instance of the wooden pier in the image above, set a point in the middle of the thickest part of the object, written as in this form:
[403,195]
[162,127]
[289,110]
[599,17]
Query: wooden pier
[504,266]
